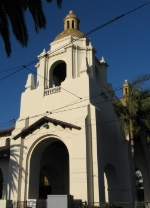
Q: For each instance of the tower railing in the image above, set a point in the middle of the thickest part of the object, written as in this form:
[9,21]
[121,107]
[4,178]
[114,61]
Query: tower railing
[53,90]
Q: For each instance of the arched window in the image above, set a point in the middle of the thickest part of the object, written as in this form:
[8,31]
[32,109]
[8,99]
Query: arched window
[43,180]
[7,142]
[59,74]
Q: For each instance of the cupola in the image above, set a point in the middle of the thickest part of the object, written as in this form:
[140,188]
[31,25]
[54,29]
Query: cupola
[71,27]
[125,88]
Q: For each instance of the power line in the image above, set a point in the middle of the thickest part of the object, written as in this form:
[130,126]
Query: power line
[53,111]
[94,30]
[11,74]
[10,69]
[91,31]
[49,81]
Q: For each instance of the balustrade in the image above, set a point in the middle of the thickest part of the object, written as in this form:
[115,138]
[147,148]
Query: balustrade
[53,90]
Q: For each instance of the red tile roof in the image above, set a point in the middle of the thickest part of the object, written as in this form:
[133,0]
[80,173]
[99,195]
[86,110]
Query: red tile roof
[6,132]
[41,122]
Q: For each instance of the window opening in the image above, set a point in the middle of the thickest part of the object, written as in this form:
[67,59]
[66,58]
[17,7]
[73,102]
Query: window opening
[59,74]
[73,24]
[43,180]
[45,187]
[67,24]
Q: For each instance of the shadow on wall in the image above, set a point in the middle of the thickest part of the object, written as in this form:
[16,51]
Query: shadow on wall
[15,168]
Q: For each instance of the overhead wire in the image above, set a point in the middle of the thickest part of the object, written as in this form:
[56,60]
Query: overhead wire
[56,110]
[93,30]
[47,113]
[49,81]
[11,74]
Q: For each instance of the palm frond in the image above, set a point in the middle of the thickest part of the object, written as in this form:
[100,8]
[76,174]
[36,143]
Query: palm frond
[135,107]
[59,2]
[14,11]
[35,7]
[4,29]
[16,16]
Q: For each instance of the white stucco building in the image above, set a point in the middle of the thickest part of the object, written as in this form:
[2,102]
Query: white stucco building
[67,139]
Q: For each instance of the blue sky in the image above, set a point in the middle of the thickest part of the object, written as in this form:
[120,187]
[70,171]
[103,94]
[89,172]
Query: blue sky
[125,45]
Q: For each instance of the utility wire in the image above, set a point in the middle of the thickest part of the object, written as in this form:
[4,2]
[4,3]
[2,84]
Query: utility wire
[49,81]
[53,111]
[95,29]
[91,31]
[11,74]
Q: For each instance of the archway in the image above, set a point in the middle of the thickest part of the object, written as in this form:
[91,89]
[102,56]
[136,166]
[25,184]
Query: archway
[57,73]
[111,184]
[141,163]
[139,185]
[49,169]
[1,184]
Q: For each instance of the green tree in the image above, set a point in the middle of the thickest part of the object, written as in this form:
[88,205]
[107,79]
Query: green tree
[133,111]
[13,12]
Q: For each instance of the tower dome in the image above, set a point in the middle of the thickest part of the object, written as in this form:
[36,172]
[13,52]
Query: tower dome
[71,27]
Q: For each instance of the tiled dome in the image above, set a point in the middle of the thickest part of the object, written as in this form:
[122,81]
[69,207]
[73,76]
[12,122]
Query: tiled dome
[69,32]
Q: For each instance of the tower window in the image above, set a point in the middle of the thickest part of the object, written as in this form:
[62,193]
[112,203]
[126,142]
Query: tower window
[59,74]
[126,91]
[67,24]
[73,24]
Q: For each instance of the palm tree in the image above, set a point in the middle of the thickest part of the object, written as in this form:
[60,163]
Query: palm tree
[133,111]
[13,12]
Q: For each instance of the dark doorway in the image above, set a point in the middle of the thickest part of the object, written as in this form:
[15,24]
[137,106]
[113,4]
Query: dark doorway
[49,169]
[1,184]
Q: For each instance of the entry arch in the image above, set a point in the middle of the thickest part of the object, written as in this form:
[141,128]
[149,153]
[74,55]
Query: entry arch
[37,158]
[111,183]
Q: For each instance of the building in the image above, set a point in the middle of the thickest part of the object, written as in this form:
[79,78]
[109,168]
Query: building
[67,139]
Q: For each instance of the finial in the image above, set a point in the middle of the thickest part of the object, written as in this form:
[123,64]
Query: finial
[71,12]
[102,60]
[30,82]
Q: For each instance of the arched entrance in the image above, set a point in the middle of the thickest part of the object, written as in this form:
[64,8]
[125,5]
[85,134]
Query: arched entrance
[49,169]
[141,165]
[139,185]
[57,73]
[1,184]
[111,184]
